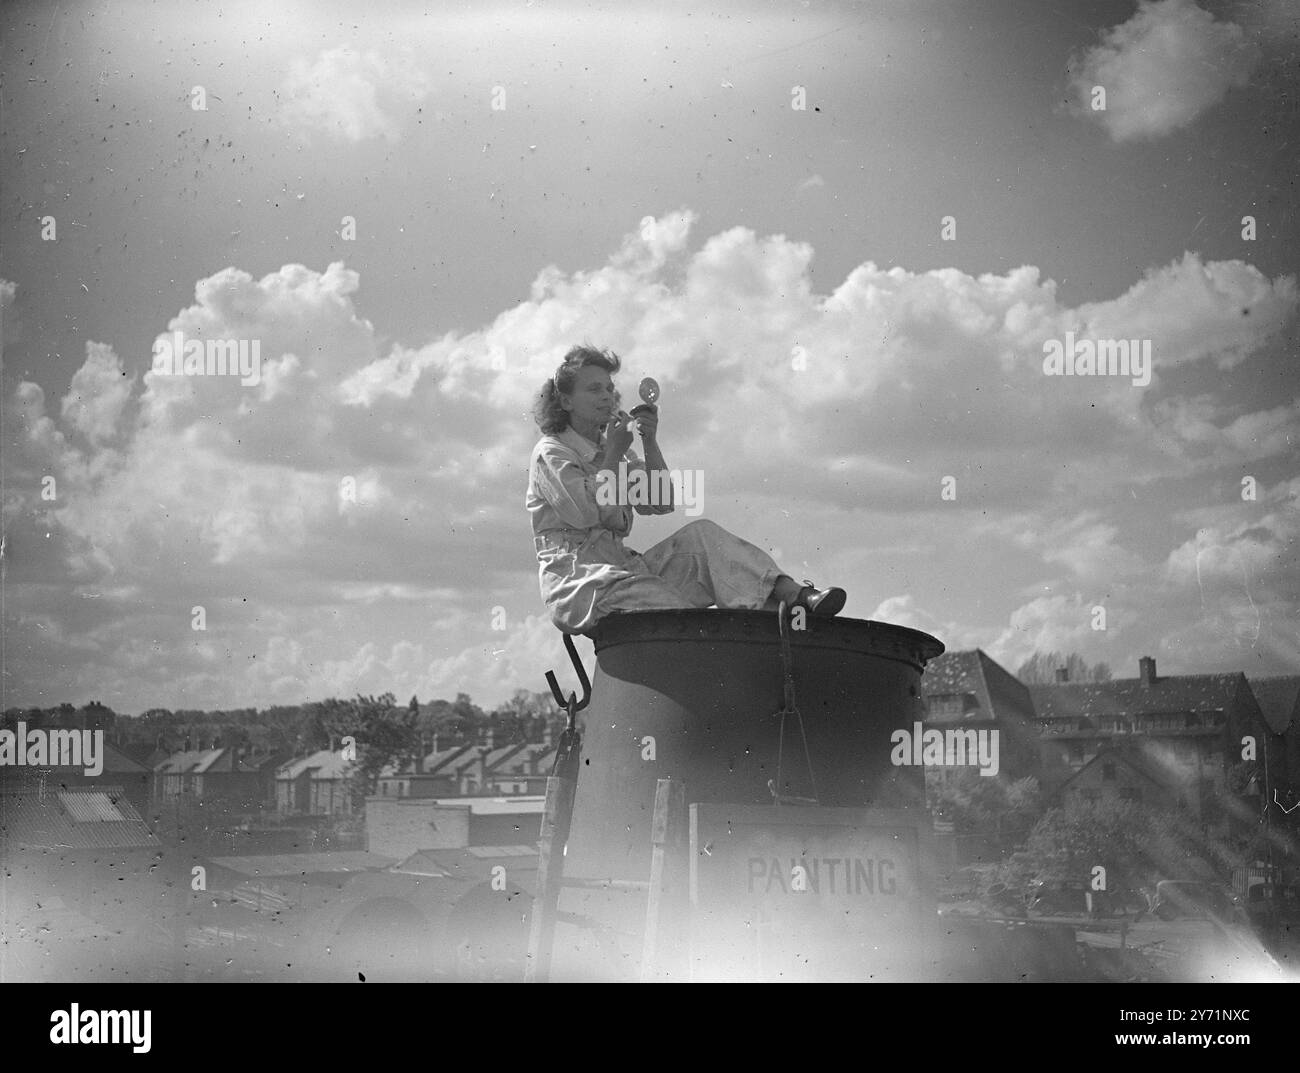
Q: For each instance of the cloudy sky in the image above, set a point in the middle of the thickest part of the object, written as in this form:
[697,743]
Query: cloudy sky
[416,210]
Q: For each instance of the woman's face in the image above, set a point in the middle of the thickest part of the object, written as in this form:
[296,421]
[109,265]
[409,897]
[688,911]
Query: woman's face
[594,400]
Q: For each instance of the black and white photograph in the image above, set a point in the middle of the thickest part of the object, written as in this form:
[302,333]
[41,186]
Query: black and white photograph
[544,491]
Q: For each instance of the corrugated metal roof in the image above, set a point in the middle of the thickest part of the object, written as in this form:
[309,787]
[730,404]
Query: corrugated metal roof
[90,807]
[28,818]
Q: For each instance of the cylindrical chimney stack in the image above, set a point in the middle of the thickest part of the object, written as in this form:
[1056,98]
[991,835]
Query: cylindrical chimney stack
[694,682]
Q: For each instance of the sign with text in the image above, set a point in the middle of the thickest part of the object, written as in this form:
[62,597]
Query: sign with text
[791,893]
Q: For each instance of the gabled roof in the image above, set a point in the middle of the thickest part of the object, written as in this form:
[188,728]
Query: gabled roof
[327,763]
[78,819]
[523,762]
[421,863]
[1128,696]
[1000,694]
[1279,700]
[1130,758]
[462,757]
[272,761]
[498,756]
[143,753]
[452,759]
[114,760]
[189,762]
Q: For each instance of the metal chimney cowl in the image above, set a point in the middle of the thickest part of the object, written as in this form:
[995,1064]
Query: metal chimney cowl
[702,687]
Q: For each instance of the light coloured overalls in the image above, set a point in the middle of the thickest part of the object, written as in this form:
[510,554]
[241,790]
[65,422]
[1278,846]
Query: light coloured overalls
[585,571]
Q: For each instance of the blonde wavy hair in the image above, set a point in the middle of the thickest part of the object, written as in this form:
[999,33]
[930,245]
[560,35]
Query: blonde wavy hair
[550,415]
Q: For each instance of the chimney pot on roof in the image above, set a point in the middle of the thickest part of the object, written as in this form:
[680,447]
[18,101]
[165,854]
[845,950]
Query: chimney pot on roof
[1147,670]
[1062,674]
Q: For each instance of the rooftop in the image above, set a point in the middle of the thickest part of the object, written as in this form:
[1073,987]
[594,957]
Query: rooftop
[73,819]
[189,761]
[1279,700]
[1000,694]
[323,763]
[298,864]
[1129,696]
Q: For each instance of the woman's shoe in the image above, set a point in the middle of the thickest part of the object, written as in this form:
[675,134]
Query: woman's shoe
[821,602]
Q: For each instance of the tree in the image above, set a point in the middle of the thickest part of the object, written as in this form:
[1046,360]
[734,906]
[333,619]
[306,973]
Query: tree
[976,804]
[523,716]
[1041,668]
[461,718]
[1135,843]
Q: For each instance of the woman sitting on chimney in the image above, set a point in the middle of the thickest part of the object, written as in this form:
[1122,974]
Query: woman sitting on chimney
[585,570]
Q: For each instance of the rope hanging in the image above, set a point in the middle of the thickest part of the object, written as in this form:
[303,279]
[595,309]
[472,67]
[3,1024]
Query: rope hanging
[789,708]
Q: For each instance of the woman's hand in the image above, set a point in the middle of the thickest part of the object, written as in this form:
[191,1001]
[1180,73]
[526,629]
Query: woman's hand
[646,417]
[618,434]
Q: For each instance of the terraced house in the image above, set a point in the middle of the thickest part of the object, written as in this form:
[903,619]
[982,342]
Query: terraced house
[1185,731]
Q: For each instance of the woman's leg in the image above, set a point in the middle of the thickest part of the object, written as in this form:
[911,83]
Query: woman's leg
[712,566]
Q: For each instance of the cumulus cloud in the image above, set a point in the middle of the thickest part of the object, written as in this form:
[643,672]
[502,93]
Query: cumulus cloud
[352,95]
[1161,69]
[1192,310]
[340,541]
[100,391]
[1239,575]
[1056,623]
